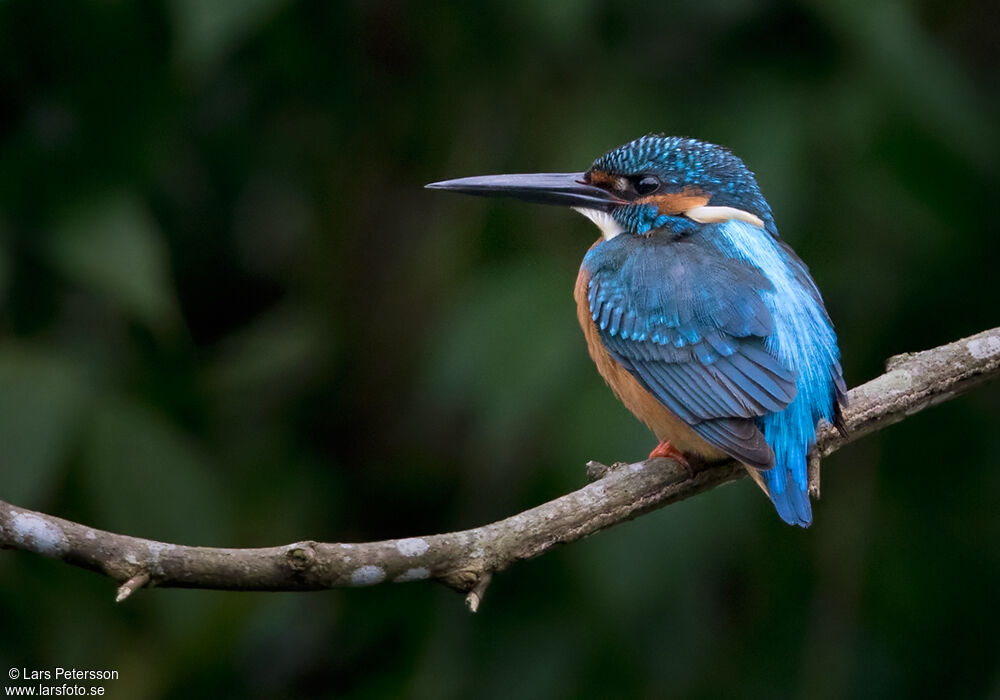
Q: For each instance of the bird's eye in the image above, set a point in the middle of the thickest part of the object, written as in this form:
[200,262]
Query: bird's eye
[647,185]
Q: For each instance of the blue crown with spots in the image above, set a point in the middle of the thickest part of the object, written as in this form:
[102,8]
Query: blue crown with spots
[682,162]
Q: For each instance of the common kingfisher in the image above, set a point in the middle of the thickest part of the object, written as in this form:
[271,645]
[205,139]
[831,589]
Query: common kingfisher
[704,323]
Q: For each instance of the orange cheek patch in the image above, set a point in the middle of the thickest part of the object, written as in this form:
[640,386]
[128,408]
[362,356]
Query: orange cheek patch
[677,202]
[600,178]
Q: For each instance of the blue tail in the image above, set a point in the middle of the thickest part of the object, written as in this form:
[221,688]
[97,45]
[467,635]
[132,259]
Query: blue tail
[790,497]
[804,340]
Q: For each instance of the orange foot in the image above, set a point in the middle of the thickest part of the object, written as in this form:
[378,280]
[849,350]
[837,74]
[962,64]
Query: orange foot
[667,450]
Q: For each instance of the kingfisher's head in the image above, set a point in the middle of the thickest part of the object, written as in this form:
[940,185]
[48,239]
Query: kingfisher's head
[652,183]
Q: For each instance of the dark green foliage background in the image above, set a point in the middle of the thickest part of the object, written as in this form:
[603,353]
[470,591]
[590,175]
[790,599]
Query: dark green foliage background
[229,315]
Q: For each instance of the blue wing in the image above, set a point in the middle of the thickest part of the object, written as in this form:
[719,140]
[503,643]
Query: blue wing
[690,327]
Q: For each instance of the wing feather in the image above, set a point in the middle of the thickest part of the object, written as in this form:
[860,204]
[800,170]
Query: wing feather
[692,329]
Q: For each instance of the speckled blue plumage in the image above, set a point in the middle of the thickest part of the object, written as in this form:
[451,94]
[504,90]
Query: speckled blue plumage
[720,321]
[689,162]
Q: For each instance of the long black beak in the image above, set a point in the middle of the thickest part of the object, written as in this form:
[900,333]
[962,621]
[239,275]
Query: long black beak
[567,189]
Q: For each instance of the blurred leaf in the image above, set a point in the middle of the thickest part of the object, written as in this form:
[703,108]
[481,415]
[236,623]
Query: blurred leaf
[149,479]
[116,249]
[275,353]
[506,348]
[208,30]
[41,400]
[259,372]
[907,60]
[4,271]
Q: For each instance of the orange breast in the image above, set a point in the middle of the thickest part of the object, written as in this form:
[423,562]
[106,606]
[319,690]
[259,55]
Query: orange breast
[664,424]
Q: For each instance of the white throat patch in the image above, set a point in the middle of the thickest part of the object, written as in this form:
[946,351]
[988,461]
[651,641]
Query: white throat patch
[609,227]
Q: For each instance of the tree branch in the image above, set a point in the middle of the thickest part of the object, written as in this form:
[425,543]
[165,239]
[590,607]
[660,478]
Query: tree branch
[466,560]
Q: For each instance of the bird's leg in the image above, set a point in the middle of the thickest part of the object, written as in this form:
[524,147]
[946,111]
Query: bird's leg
[667,450]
